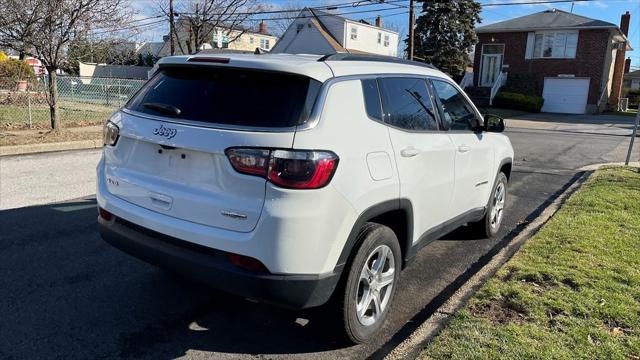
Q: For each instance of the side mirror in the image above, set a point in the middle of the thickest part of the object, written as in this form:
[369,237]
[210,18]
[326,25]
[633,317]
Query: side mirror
[493,123]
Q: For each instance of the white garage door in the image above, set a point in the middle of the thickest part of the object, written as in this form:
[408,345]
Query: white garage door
[565,95]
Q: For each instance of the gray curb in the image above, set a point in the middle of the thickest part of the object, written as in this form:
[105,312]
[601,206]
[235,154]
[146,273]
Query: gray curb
[48,147]
[411,347]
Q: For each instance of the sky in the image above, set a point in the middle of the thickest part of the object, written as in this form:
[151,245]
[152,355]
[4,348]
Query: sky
[395,14]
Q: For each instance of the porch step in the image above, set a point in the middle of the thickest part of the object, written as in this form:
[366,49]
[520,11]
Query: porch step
[480,95]
[478,91]
[480,101]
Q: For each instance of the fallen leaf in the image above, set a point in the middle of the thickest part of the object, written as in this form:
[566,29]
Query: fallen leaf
[616,331]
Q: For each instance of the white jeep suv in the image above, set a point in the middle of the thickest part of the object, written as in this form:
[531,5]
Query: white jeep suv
[296,179]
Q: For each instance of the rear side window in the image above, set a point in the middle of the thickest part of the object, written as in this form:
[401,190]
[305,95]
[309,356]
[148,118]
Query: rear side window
[372,99]
[407,104]
[238,97]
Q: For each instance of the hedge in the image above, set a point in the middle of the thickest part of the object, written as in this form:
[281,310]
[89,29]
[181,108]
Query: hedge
[634,97]
[511,100]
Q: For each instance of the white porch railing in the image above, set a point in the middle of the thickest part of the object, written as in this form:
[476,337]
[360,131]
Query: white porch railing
[500,81]
[467,80]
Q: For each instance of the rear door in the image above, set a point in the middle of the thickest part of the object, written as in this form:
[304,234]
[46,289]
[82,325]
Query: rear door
[424,155]
[170,156]
[473,150]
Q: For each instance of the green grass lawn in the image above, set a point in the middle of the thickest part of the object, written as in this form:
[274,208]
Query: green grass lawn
[630,113]
[572,291]
[72,114]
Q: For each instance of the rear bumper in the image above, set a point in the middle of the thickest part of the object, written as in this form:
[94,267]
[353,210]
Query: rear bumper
[213,267]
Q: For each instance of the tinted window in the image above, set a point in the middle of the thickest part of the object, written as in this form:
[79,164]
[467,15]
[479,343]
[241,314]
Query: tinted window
[457,113]
[228,96]
[372,98]
[407,104]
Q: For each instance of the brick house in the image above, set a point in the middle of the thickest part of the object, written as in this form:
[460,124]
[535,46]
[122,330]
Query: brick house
[575,63]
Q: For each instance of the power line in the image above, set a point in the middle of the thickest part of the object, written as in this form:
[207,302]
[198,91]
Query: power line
[326,7]
[533,2]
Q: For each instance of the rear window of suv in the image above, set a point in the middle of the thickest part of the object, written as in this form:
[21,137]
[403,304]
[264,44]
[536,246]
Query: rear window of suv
[238,97]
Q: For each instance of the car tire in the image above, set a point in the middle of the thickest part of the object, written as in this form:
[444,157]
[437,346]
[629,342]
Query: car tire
[490,224]
[371,282]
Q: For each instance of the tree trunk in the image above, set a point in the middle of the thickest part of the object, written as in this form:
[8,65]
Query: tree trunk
[53,97]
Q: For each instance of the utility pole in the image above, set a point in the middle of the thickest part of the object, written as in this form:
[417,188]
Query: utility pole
[411,25]
[171,28]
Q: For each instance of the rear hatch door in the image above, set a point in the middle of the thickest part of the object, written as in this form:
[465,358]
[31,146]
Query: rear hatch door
[170,155]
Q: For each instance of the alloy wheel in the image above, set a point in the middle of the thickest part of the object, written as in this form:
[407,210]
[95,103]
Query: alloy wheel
[375,285]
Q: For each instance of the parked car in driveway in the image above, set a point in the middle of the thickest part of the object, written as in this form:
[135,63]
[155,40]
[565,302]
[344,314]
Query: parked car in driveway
[299,179]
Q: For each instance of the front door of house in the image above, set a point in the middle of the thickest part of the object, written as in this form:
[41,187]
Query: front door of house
[491,63]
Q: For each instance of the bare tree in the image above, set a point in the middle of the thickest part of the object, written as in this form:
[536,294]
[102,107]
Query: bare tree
[199,19]
[44,28]
[287,12]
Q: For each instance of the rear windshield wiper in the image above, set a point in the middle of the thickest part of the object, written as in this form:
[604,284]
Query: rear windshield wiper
[163,108]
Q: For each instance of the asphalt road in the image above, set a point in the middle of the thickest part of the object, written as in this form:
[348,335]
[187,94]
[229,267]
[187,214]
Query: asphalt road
[67,294]
[45,178]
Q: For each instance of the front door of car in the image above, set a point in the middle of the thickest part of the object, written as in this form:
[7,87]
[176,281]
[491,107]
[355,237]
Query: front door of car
[424,155]
[473,151]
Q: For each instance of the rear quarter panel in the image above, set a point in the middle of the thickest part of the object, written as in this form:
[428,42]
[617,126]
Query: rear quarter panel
[365,153]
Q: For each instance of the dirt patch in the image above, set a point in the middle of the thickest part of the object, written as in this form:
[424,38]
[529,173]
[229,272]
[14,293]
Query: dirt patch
[47,136]
[9,126]
[572,284]
[498,312]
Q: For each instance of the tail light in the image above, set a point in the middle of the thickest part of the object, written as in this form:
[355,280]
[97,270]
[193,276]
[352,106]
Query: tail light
[110,133]
[293,169]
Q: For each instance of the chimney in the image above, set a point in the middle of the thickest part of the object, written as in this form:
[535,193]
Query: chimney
[379,21]
[263,28]
[620,64]
[627,65]
[624,23]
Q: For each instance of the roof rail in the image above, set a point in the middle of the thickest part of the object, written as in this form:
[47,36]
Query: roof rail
[378,58]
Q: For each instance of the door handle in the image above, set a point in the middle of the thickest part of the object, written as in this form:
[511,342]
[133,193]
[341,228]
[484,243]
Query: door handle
[161,201]
[409,152]
[464,148]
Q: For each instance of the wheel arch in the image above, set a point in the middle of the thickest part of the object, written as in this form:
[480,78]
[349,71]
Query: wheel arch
[506,166]
[396,214]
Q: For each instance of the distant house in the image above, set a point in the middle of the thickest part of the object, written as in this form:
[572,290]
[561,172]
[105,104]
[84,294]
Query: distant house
[237,39]
[320,32]
[631,80]
[149,48]
[91,70]
[574,62]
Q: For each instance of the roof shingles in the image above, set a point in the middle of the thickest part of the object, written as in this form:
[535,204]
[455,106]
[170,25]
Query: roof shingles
[548,19]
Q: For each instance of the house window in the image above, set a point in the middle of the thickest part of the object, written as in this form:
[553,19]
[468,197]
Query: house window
[379,38]
[220,41]
[488,49]
[299,27]
[386,41]
[264,44]
[559,44]
[251,40]
[354,33]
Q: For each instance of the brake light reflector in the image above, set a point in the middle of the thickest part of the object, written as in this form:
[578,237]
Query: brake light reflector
[247,263]
[293,169]
[105,214]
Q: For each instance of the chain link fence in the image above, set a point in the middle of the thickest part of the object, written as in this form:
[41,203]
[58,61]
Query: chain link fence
[82,101]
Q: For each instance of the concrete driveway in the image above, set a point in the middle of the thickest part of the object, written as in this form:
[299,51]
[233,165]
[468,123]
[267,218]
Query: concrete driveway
[67,294]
